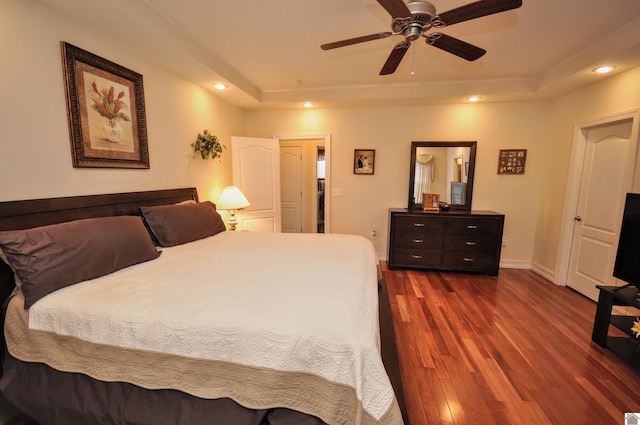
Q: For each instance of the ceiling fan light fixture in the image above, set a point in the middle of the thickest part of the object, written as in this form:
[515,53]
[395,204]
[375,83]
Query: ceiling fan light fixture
[473,99]
[605,69]
[414,32]
[308,104]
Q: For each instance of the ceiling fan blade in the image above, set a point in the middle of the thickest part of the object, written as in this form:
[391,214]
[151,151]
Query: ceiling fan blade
[454,46]
[474,10]
[394,58]
[350,41]
[396,8]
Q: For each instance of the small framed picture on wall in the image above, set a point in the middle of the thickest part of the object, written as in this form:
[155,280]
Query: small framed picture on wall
[364,161]
[512,161]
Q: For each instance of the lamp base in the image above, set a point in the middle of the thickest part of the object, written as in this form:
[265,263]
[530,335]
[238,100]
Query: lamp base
[232,221]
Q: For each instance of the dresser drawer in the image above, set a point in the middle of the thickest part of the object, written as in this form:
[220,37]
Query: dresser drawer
[424,223]
[461,260]
[418,258]
[471,243]
[419,241]
[473,226]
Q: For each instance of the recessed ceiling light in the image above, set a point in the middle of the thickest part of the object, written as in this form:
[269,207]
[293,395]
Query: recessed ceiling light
[473,99]
[308,104]
[604,69]
[220,86]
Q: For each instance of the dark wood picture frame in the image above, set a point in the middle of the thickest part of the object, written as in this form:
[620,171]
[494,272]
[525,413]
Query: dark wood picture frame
[512,161]
[106,112]
[364,161]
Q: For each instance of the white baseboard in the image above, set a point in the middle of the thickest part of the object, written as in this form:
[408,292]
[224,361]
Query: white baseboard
[544,272]
[515,264]
[509,264]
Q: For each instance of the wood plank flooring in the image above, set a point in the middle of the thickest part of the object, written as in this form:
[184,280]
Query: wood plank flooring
[512,349]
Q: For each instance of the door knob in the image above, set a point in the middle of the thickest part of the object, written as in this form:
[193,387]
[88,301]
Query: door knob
[577,218]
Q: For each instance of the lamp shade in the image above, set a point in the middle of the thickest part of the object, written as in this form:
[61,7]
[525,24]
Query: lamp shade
[232,199]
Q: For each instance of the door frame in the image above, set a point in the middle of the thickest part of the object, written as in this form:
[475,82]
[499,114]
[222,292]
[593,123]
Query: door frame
[327,155]
[575,178]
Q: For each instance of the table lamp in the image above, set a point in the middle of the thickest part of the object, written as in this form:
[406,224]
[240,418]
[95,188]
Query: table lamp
[232,199]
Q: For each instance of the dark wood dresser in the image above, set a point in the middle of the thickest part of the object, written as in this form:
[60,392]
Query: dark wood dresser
[445,240]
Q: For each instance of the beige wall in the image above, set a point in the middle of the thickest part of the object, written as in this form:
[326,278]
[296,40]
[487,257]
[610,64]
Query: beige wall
[35,154]
[533,203]
[389,130]
[35,157]
[614,95]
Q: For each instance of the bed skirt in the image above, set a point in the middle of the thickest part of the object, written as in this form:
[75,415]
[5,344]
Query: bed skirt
[112,403]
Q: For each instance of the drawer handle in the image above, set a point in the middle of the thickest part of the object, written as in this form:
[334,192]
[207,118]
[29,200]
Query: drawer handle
[472,226]
[417,257]
[418,224]
[469,243]
[418,240]
[467,259]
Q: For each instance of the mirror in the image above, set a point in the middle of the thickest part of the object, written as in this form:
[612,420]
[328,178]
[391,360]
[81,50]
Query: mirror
[443,168]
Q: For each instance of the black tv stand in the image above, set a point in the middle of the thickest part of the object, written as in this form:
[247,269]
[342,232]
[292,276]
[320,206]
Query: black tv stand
[628,291]
[627,347]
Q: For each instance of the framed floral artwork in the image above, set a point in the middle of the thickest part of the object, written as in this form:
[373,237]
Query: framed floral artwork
[364,161]
[105,108]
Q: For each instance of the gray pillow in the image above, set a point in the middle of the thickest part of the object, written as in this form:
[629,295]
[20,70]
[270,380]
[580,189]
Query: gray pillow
[177,224]
[51,257]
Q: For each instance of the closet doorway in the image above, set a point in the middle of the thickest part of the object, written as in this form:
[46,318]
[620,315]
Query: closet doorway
[305,181]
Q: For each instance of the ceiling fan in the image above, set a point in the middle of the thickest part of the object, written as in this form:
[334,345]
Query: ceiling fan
[413,19]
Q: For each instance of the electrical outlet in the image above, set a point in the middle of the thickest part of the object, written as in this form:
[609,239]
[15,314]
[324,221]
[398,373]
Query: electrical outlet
[336,192]
[504,241]
[373,234]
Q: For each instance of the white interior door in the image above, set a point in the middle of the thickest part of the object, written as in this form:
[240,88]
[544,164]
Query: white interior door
[310,197]
[607,175]
[291,188]
[256,171]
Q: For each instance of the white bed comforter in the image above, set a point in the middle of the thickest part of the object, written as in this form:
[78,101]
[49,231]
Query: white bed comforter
[304,303]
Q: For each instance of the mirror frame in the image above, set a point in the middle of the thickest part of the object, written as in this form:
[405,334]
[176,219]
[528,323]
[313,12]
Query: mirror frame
[472,165]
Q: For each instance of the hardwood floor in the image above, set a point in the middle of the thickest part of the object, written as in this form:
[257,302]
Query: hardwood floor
[512,349]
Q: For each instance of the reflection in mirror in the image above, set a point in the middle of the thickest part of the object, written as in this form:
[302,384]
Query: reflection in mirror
[445,168]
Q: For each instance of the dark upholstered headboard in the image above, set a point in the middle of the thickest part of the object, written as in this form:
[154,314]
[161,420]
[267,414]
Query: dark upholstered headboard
[16,215]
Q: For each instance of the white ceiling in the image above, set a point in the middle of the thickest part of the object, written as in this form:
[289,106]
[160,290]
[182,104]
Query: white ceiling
[268,52]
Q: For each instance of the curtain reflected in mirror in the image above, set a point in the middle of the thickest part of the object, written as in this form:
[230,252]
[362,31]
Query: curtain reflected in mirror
[425,174]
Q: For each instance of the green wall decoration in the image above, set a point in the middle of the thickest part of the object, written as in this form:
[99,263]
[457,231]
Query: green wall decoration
[208,145]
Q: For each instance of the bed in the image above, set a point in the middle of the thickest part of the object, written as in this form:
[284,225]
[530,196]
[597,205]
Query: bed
[145,311]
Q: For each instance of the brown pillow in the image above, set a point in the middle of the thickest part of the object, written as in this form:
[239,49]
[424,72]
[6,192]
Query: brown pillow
[177,224]
[51,257]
